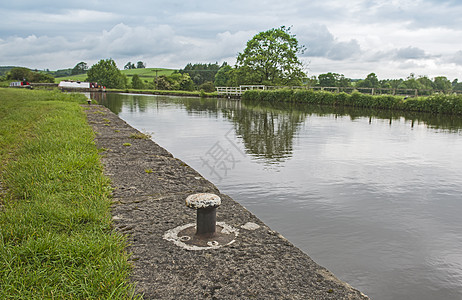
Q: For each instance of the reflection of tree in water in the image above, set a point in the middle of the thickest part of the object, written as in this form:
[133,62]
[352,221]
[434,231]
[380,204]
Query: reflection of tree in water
[116,102]
[266,132]
[201,106]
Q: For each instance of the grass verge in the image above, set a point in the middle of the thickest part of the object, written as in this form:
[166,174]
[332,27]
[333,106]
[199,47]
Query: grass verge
[56,240]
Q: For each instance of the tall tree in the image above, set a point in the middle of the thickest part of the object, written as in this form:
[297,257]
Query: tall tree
[137,83]
[129,66]
[106,73]
[223,76]
[270,57]
[80,68]
[140,65]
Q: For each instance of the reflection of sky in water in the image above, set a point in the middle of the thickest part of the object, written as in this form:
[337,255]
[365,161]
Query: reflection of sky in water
[378,204]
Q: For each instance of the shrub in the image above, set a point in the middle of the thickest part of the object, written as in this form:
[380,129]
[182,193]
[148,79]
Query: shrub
[438,103]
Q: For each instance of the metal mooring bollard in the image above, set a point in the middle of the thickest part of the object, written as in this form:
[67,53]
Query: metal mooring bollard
[206,205]
[89,101]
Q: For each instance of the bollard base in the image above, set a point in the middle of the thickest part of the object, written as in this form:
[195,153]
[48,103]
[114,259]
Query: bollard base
[185,236]
[190,237]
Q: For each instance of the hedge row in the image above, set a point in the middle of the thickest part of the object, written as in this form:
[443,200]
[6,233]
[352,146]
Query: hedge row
[437,103]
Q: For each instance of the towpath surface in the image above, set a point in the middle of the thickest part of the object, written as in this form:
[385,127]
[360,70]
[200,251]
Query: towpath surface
[150,188]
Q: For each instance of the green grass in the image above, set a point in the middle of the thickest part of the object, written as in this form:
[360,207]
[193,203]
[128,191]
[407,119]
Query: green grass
[56,240]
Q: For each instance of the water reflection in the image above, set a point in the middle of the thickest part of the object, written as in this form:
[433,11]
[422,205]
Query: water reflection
[267,132]
[374,196]
[267,129]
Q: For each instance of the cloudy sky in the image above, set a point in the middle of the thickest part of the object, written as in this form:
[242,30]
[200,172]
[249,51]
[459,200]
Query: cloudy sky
[391,38]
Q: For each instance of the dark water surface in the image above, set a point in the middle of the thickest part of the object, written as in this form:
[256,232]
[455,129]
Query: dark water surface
[375,197]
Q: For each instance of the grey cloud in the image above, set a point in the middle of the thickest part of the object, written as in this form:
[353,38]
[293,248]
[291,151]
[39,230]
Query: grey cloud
[123,42]
[412,14]
[321,43]
[410,53]
[457,58]
[400,54]
[344,50]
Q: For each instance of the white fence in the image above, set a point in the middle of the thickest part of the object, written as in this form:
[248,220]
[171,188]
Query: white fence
[238,91]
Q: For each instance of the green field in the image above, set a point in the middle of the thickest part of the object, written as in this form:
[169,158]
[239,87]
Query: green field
[148,74]
[56,240]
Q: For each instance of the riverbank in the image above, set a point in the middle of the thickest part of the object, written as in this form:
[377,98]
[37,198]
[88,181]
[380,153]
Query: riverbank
[56,240]
[150,187]
[450,104]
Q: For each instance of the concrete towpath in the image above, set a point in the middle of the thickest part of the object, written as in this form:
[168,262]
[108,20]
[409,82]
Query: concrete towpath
[150,188]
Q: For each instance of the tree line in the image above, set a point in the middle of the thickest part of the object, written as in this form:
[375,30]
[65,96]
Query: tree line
[422,82]
[269,58]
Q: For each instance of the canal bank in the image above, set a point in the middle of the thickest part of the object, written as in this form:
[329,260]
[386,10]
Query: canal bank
[150,188]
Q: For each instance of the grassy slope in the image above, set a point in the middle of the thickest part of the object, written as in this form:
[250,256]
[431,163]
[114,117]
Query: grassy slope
[55,234]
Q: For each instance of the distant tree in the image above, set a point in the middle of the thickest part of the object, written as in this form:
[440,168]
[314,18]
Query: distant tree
[181,82]
[371,81]
[270,57]
[41,77]
[28,75]
[328,79]
[106,73]
[201,73]
[334,80]
[140,65]
[80,68]
[186,83]
[385,84]
[456,85]
[392,83]
[426,83]
[207,86]
[312,81]
[62,72]
[137,83]
[223,75]
[442,83]
[129,66]
[19,74]
[163,83]
[175,81]
[411,83]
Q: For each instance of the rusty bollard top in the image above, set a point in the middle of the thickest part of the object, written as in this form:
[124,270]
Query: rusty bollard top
[203,200]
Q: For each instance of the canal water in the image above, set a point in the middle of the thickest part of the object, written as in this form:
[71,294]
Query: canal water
[373,196]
